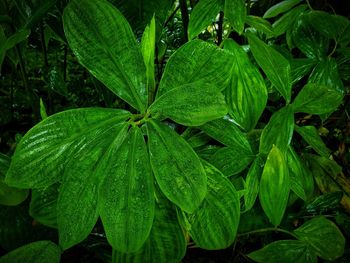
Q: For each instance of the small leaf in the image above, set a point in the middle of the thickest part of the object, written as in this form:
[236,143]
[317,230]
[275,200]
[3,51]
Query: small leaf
[36,252]
[274,186]
[260,24]
[176,167]
[280,8]
[325,203]
[183,106]
[196,61]
[126,195]
[108,49]
[323,237]
[286,251]
[246,95]
[252,183]
[202,15]
[275,66]
[278,131]
[311,136]
[236,12]
[213,225]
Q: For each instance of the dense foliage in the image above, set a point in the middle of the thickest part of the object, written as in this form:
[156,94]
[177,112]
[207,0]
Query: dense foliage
[157,131]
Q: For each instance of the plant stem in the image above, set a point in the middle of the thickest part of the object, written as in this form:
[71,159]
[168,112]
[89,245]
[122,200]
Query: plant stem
[219,31]
[184,16]
[308,3]
[268,229]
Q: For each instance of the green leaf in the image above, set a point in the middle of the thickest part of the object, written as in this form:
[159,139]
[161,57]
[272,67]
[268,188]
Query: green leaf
[77,200]
[317,99]
[213,225]
[325,203]
[246,95]
[43,153]
[176,167]
[301,67]
[311,136]
[260,25]
[148,45]
[126,197]
[166,242]
[286,251]
[236,13]
[9,195]
[275,66]
[280,8]
[108,49]
[252,183]
[323,237]
[278,131]
[196,61]
[43,205]
[183,106]
[274,186]
[202,15]
[36,252]
[13,40]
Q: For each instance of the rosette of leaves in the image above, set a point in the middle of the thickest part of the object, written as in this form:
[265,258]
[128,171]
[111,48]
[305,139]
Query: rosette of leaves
[110,163]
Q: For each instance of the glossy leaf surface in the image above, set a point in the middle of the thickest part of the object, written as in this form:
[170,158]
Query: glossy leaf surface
[126,197]
[260,24]
[235,11]
[252,183]
[275,66]
[281,7]
[176,167]
[45,150]
[274,186]
[214,224]
[108,49]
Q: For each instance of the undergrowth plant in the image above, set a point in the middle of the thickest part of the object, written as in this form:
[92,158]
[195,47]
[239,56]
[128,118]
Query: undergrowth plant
[188,158]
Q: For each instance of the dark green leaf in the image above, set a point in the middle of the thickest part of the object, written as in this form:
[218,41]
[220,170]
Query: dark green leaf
[36,252]
[42,154]
[274,186]
[13,40]
[183,106]
[301,67]
[108,49]
[280,8]
[278,131]
[275,66]
[202,15]
[236,12]
[246,95]
[213,225]
[323,237]
[260,25]
[196,61]
[176,167]
[311,136]
[252,183]
[324,203]
[286,251]
[126,201]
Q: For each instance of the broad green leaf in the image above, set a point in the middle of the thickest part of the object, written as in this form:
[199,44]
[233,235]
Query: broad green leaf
[148,46]
[311,136]
[286,251]
[260,24]
[325,203]
[246,95]
[328,165]
[199,139]
[9,195]
[78,194]
[252,183]
[42,154]
[236,13]
[126,197]
[166,242]
[43,205]
[232,160]
[287,21]
[183,106]
[274,186]
[317,99]
[36,252]
[226,131]
[176,167]
[275,66]
[301,67]
[13,40]
[196,61]
[108,49]
[213,225]
[323,237]
[280,8]
[278,131]
[202,15]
